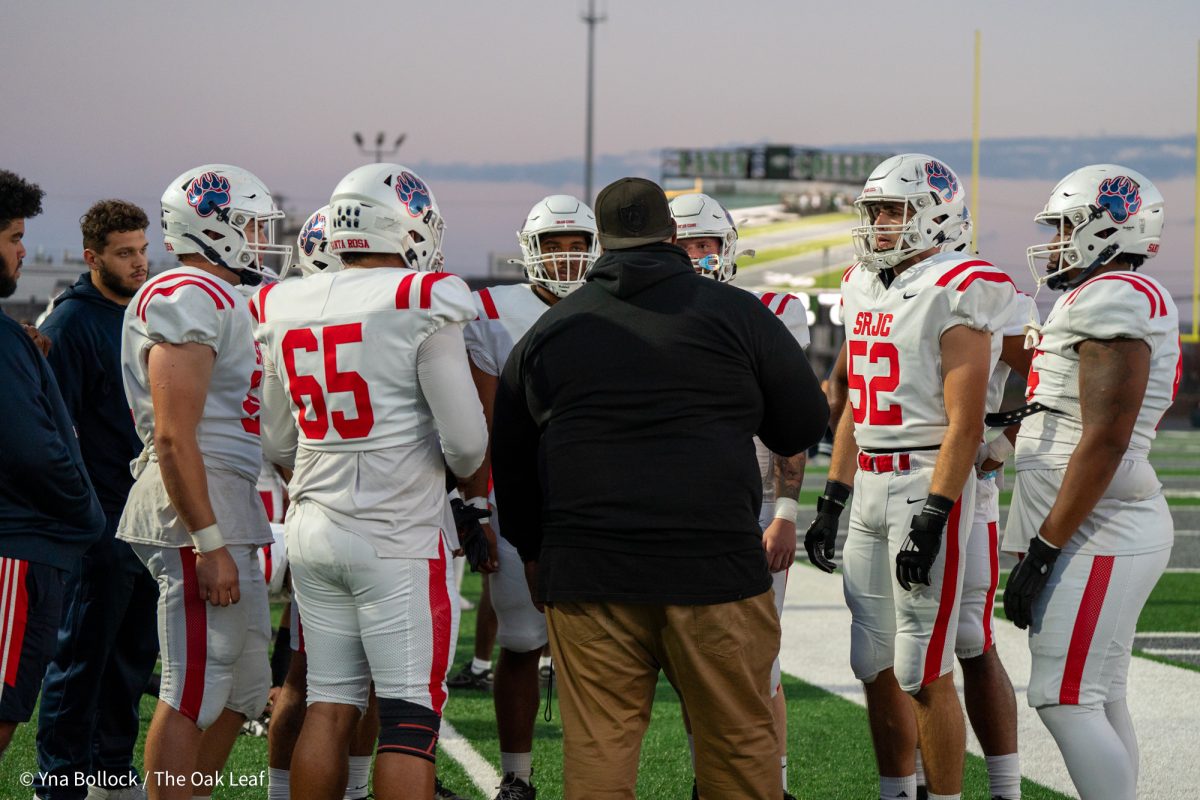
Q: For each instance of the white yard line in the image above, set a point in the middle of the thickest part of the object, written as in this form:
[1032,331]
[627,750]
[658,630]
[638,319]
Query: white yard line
[1169,635]
[482,773]
[1183,570]
[1162,698]
[1169,652]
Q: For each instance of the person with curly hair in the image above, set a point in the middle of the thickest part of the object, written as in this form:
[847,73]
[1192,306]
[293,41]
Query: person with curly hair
[49,512]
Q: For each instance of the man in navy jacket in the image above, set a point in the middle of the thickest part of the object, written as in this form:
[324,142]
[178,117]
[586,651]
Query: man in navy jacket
[49,512]
[108,640]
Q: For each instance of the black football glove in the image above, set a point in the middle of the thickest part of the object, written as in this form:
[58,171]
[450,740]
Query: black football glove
[470,532]
[924,540]
[822,533]
[1027,580]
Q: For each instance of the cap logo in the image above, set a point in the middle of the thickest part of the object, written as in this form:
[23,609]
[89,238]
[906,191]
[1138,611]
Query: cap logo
[208,192]
[1120,197]
[413,194]
[633,217]
[941,180]
[313,234]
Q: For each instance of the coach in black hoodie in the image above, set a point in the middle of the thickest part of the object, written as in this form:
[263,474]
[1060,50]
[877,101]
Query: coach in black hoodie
[624,464]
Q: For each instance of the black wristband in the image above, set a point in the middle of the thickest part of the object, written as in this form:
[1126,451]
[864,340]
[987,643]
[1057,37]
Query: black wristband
[936,504]
[837,492]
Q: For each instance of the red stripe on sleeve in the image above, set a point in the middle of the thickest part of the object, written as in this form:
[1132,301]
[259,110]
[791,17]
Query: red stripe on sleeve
[935,655]
[440,614]
[767,298]
[167,291]
[846,274]
[489,305]
[195,616]
[787,298]
[959,270]
[428,280]
[993,277]
[1162,304]
[1085,628]
[258,306]
[403,290]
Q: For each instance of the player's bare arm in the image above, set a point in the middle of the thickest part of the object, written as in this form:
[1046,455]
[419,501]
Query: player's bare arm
[1112,382]
[838,388]
[476,486]
[179,376]
[966,364]
[779,539]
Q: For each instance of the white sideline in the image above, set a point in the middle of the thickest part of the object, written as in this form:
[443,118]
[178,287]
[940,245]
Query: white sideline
[479,769]
[1162,698]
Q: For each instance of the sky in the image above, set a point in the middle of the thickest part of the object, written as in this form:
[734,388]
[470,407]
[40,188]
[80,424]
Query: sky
[116,98]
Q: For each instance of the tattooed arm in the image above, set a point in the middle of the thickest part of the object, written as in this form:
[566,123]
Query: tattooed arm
[779,539]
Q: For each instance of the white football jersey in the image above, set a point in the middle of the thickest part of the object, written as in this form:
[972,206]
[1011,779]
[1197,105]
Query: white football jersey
[342,348]
[894,361]
[1114,305]
[184,305]
[503,315]
[793,314]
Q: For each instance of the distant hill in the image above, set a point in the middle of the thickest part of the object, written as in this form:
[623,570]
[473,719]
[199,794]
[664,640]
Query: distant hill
[1018,159]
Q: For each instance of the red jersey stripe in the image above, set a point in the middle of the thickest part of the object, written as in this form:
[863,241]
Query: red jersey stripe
[167,291]
[489,305]
[440,618]
[195,616]
[427,282]
[960,269]
[993,582]
[1085,628]
[846,274]
[938,640]
[994,277]
[16,612]
[1139,286]
[767,299]
[258,306]
[1142,280]
[787,298]
[404,290]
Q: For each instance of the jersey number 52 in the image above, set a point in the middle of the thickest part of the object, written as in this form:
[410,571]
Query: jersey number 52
[308,386]
[866,404]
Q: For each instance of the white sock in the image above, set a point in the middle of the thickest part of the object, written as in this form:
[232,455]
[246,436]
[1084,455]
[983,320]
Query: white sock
[1093,751]
[359,782]
[519,764]
[783,767]
[920,769]
[1004,776]
[933,796]
[897,788]
[279,784]
[545,661]
[692,750]
[479,666]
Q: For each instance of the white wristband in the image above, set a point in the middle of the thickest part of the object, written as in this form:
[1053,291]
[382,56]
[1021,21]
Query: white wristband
[787,508]
[480,503]
[208,539]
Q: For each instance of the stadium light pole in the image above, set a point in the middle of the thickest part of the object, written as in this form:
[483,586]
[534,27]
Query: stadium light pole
[378,150]
[591,18]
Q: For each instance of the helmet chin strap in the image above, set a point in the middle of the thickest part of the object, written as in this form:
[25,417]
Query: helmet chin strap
[248,277]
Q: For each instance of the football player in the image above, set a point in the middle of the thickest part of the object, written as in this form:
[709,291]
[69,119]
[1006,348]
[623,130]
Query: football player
[364,371]
[706,231]
[909,447]
[1088,511]
[192,372]
[558,246]
[313,255]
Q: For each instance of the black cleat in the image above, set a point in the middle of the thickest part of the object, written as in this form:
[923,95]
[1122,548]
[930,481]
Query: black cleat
[513,788]
[467,678]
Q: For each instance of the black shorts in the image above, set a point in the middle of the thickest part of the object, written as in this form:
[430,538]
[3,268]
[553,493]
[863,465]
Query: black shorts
[30,606]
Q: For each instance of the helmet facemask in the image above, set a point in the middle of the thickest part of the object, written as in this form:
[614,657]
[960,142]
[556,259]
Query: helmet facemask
[719,266]
[924,226]
[1086,231]
[560,272]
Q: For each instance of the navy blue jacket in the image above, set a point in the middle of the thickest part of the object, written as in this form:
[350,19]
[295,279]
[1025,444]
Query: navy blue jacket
[49,512]
[85,328]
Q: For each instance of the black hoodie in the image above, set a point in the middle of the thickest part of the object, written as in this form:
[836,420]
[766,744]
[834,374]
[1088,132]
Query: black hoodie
[85,331]
[622,444]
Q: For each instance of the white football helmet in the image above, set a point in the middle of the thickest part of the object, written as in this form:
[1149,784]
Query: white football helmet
[227,215]
[312,245]
[561,273]
[935,216]
[700,216]
[387,208]
[1112,211]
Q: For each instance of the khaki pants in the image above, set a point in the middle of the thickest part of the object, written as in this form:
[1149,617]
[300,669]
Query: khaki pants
[718,657]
